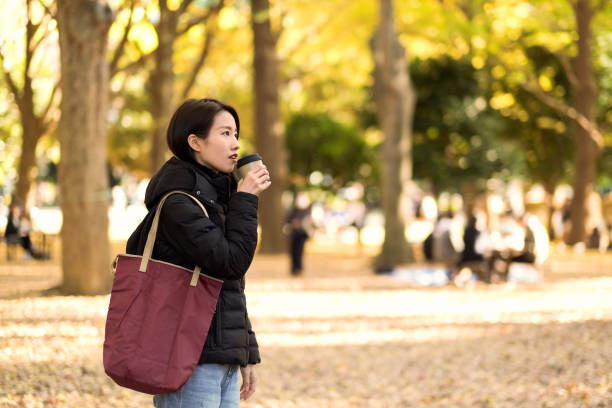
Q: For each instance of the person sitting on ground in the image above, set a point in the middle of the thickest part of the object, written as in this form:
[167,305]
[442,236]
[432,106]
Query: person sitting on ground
[508,244]
[474,248]
[18,230]
[444,247]
[527,242]
[541,240]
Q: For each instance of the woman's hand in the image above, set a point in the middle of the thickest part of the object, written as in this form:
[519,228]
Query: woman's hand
[255,181]
[249,379]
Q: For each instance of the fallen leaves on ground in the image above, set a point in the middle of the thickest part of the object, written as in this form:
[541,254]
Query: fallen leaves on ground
[341,337]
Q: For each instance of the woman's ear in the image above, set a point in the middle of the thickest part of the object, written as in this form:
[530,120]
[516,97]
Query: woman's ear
[194,142]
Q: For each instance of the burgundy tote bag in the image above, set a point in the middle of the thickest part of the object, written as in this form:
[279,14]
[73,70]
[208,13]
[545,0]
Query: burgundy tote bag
[158,318]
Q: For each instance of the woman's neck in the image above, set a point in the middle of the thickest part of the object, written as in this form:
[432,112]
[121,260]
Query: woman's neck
[210,170]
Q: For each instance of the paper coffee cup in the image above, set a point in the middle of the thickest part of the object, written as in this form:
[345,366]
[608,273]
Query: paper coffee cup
[248,163]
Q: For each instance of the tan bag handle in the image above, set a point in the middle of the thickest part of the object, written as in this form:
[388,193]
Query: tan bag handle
[148,249]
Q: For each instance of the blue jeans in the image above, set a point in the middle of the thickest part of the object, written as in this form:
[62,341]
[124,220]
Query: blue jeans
[210,386]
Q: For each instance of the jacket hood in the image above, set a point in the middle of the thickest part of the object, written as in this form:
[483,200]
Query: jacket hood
[178,174]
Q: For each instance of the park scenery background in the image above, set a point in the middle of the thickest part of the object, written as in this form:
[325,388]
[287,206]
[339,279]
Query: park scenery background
[403,123]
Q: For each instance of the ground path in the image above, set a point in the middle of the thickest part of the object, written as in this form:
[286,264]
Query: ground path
[340,336]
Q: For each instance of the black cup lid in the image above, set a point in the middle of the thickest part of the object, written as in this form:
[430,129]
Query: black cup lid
[248,159]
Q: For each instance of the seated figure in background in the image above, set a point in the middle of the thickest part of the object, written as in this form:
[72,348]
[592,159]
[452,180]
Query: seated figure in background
[18,230]
[444,246]
[475,246]
[523,240]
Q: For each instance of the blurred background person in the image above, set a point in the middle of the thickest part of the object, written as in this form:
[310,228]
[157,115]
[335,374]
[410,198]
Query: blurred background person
[18,229]
[299,228]
[475,246]
[446,246]
[521,240]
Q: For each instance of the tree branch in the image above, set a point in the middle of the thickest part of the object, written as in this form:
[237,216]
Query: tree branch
[205,49]
[534,89]
[47,10]
[199,64]
[601,6]
[11,84]
[200,19]
[277,34]
[31,29]
[319,28]
[132,66]
[567,67]
[47,108]
[183,7]
[49,127]
[33,47]
[193,22]
[121,47]
[466,10]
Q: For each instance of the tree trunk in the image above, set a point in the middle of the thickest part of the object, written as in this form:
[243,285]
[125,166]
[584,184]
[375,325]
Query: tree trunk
[585,96]
[550,209]
[269,130]
[161,84]
[395,101]
[84,196]
[32,132]
[31,124]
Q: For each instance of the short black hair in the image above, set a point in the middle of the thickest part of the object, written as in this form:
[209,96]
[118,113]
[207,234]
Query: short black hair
[194,116]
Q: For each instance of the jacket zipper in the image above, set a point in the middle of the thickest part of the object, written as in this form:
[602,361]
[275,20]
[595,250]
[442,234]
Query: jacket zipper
[218,334]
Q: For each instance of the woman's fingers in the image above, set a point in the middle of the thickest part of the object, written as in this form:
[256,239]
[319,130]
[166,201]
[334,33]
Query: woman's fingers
[262,172]
[262,175]
[249,379]
[256,181]
[249,389]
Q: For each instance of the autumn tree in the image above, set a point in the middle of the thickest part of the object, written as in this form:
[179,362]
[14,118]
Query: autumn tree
[36,119]
[316,142]
[457,136]
[589,141]
[172,23]
[83,185]
[580,108]
[395,101]
[499,35]
[269,128]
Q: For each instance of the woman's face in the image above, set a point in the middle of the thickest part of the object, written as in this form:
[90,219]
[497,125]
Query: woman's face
[219,150]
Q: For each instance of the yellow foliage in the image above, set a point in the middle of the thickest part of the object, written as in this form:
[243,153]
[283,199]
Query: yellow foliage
[479,42]
[478,62]
[498,71]
[145,36]
[545,82]
[502,100]
[229,18]
[174,4]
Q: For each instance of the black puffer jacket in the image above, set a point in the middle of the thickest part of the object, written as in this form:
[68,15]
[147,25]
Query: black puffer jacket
[223,245]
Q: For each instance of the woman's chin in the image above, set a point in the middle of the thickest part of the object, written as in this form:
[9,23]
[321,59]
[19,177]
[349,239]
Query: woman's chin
[227,169]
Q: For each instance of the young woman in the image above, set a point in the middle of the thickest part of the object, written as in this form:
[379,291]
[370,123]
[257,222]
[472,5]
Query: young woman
[203,136]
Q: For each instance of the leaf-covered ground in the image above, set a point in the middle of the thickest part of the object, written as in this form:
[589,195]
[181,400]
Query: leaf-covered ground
[341,337]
